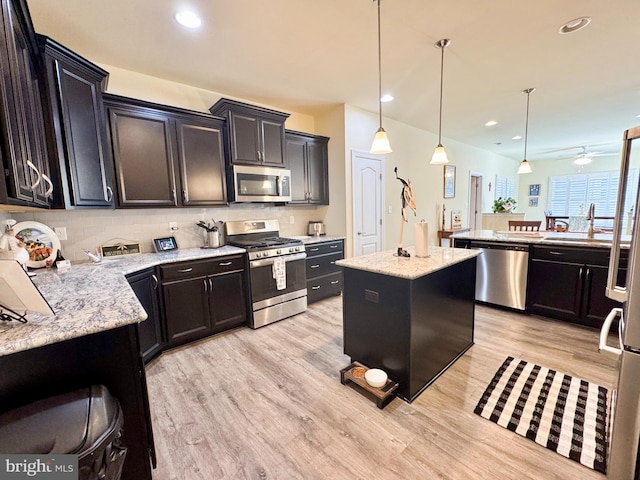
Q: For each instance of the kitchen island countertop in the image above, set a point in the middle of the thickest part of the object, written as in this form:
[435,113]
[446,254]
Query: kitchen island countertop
[599,240]
[90,298]
[388,263]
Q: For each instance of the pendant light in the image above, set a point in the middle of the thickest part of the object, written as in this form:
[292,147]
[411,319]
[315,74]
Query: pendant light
[524,165]
[439,155]
[380,142]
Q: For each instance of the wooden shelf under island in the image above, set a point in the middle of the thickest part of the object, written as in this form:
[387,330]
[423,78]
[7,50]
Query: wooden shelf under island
[411,317]
[383,395]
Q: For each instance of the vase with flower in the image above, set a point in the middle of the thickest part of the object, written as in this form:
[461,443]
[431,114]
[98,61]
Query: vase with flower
[504,205]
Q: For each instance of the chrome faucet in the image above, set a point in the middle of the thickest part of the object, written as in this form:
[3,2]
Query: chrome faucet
[591,218]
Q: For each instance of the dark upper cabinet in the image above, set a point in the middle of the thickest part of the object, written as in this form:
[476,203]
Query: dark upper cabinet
[165,156]
[76,128]
[24,156]
[307,158]
[256,134]
[201,160]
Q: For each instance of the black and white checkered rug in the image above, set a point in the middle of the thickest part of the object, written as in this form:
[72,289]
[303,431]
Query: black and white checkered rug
[563,413]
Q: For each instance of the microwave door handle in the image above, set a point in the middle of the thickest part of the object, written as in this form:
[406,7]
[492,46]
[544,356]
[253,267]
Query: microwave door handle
[613,290]
[279,183]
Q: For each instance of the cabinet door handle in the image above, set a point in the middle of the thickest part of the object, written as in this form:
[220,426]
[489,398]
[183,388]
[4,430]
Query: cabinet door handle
[210,285]
[50,189]
[333,263]
[206,285]
[315,287]
[185,196]
[225,264]
[551,252]
[33,167]
[154,283]
[333,246]
[109,194]
[587,274]
[185,270]
[315,266]
[335,282]
[314,249]
[173,193]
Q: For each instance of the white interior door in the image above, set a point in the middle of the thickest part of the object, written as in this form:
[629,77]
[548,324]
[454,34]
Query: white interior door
[475,202]
[367,202]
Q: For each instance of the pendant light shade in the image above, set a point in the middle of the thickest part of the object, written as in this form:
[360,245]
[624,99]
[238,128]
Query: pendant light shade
[525,167]
[380,142]
[439,155]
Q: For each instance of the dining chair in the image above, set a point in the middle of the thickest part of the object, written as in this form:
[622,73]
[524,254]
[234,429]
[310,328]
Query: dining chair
[524,226]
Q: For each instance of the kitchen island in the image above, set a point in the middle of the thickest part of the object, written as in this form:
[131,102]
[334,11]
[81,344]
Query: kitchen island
[92,339]
[411,317]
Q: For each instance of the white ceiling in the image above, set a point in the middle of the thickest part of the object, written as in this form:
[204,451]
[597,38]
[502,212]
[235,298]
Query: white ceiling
[305,55]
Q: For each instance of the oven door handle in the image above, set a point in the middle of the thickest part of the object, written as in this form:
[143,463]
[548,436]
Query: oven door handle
[269,261]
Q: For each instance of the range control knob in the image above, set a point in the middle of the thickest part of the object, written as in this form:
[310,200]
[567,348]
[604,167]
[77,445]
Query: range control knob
[279,251]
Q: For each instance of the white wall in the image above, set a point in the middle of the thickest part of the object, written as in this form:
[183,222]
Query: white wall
[542,170]
[412,151]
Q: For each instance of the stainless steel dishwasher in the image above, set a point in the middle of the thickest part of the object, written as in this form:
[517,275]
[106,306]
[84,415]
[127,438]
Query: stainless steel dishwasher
[501,273]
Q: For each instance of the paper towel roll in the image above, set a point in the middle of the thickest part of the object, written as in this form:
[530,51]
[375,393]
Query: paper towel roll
[422,238]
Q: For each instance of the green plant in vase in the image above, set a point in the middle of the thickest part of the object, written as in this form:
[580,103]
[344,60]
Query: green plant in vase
[504,205]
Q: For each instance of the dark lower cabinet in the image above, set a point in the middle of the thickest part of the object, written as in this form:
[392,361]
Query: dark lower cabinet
[569,283]
[74,115]
[203,297]
[145,286]
[165,157]
[324,277]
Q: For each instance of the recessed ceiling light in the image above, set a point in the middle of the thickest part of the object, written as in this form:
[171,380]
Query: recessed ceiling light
[188,19]
[490,123]
[517,137]
[574,25]
[386,98]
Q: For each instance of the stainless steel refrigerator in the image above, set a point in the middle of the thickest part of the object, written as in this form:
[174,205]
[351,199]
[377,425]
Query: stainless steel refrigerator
[624,431]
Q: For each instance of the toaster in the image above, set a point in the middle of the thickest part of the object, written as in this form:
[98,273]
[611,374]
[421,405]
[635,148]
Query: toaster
[311,230]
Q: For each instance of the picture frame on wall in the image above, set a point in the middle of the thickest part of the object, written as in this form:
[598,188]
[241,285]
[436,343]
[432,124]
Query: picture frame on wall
[534,190]
[533,201]
[449,181]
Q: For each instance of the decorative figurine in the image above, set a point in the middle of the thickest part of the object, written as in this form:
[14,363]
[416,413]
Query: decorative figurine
[407,200]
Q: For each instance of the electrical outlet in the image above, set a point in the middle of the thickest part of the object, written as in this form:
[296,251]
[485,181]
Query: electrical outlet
[61,232]
[390,209]
[292,219]
[173,226]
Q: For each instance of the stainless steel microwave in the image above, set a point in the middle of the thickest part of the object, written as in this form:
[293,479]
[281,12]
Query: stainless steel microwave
[261,184]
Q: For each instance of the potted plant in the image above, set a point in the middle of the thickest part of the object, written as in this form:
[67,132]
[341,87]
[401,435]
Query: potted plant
[504,205]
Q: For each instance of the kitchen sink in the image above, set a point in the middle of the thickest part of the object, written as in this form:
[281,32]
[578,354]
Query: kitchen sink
[581,237]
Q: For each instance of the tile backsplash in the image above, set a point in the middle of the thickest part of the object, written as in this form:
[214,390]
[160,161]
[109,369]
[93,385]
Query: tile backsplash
[89,229]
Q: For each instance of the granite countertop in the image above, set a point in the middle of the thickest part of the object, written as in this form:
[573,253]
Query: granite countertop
[90,298]
[310,239]
[387,263]
[574,239]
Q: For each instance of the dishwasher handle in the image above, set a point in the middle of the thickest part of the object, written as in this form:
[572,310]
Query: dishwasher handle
[499,246]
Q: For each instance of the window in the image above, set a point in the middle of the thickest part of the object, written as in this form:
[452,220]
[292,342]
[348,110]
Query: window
[505,187]
[570,195]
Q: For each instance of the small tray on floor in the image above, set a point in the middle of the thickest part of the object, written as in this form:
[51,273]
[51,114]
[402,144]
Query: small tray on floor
[383,395]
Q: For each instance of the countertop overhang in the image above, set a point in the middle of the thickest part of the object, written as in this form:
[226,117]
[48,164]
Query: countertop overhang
[90,298]
[388,263]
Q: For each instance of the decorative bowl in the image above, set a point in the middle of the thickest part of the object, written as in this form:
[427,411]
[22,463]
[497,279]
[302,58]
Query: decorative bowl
[376,377]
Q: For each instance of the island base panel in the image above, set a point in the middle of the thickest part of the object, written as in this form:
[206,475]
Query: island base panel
[413,329]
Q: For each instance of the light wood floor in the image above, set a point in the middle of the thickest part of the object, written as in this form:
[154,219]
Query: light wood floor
[268,404]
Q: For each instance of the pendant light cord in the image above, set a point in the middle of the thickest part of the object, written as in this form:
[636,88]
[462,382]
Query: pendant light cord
[442,46]
[526,124]
[379,69]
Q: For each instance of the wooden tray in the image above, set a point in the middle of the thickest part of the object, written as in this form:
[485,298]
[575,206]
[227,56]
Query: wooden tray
[383,395]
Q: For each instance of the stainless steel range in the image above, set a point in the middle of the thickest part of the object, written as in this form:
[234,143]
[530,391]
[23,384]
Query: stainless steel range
[277,269]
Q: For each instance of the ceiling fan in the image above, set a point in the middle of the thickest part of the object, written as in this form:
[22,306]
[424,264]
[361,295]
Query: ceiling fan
[585,157]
